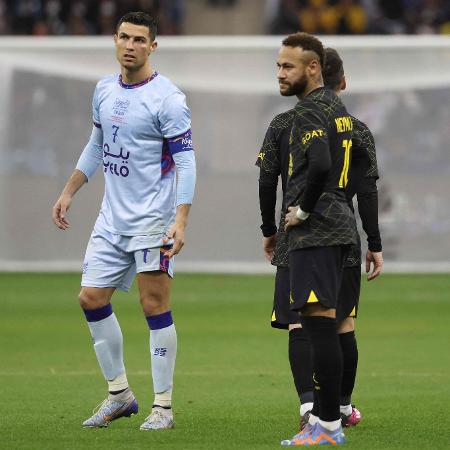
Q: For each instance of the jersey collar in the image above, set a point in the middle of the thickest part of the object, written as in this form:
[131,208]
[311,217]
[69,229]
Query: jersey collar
[136,85]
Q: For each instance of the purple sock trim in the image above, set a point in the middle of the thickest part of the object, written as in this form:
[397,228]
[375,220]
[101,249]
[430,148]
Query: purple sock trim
[94,315]
[163,320]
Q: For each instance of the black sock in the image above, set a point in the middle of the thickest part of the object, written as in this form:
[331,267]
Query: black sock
[327,362]
[301,363]
[350,360]
[315,410]
[117,392]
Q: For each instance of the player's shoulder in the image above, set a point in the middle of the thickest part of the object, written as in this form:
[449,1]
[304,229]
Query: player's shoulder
[108,80]
[360,129]
[166,87]
[316,107]
[358,124]
[283,120]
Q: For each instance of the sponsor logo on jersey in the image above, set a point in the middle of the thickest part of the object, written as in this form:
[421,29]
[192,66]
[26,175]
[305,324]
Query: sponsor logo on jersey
[311,134]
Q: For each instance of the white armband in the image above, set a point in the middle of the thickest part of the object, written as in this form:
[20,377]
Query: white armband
[301,215]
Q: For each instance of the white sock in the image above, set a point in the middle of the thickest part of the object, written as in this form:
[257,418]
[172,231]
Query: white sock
[305,407]
[163,351]
[331,426]
[163,399]
[313,419]
[118,384]
[346,409]
[108,346]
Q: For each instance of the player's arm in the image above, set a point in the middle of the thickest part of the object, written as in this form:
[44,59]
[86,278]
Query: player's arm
[186,178]
[367,197]
[269,170]
[175,120]
[319,165]
[87,164]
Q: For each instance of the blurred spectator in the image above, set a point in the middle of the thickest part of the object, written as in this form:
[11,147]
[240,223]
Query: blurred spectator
[358,16]
[226,3]
[81,17]
[75,17]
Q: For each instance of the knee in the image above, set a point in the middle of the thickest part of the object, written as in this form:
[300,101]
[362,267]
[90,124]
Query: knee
[346,326]
[90,300]
[154,303]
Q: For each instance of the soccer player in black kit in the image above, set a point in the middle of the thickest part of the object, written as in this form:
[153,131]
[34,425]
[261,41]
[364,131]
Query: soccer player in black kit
[273,162]
[319,222]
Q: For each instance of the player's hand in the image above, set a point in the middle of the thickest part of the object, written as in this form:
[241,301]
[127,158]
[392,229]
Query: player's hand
[291,219]
[59,212]
[176,232]
[269,244]
[375,258]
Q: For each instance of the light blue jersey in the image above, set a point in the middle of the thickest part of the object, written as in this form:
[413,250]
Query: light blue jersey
[140,131]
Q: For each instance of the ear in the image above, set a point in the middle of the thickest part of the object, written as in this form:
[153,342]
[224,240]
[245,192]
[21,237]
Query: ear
[115,38]
[314,67]
[343,84]
[153,46]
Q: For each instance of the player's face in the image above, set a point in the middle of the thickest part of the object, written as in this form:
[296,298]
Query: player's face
[292,77]
[133,45]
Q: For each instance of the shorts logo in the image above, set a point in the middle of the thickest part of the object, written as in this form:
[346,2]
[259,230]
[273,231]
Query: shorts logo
[160,351]
[145,252]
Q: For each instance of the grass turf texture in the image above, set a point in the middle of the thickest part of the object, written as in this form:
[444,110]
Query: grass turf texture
[233,388]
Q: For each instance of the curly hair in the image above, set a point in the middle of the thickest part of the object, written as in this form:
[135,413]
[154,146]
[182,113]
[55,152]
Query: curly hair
[307,42]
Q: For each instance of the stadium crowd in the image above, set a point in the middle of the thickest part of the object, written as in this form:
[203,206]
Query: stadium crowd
[360,16]
[84,17]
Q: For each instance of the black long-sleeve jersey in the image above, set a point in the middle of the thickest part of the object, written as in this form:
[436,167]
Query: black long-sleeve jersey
[320,152]
[273,161]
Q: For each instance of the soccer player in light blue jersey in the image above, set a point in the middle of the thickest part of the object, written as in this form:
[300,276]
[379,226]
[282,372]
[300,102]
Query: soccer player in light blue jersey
[141,139]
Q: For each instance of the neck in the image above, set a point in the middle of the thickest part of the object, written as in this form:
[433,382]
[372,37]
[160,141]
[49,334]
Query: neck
[311,87]
[136,76]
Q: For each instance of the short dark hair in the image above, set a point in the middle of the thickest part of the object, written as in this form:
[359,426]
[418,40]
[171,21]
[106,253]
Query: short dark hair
[333,71]
[307,42]
[140,18]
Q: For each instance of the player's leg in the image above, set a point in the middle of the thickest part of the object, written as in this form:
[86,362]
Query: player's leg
[104,271]
[300,360]
[346,314]
[154,281]
[315,279]
[299,347]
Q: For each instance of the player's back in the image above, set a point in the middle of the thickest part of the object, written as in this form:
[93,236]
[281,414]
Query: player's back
[364,160]
[321,121]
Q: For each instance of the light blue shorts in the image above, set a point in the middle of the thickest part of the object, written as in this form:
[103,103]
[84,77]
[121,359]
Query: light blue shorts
[112,260]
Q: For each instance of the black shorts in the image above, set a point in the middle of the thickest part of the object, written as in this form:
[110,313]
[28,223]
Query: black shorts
[316,275]
[282,315]
[349,293]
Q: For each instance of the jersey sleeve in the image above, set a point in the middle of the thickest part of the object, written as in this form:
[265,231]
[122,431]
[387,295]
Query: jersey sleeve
[369,144]
[96,109]
[268,162]
[91,157]
[309,131]
[174,116]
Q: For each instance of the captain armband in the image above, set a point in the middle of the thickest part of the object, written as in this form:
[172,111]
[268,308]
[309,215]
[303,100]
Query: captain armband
[181,143]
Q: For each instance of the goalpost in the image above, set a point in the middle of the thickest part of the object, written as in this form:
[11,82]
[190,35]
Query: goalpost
[398,85]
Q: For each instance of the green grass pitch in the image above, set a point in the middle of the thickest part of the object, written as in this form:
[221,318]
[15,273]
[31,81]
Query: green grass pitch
[233,388]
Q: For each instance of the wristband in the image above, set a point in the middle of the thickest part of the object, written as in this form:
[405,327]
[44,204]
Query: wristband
[301,215]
